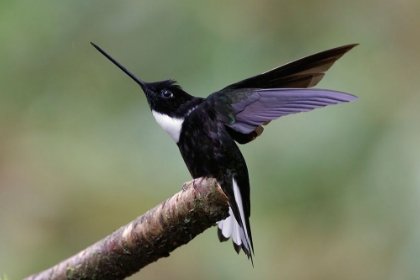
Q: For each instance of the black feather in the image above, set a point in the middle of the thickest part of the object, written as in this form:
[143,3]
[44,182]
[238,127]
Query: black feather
[309,69]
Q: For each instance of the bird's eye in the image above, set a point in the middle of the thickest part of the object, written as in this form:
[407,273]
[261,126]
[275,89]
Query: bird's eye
[166,94]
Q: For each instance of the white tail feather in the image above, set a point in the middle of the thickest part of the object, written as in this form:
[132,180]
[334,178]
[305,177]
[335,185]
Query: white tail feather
[230,227]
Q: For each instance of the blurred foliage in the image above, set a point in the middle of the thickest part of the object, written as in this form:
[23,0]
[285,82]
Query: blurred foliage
[335,192]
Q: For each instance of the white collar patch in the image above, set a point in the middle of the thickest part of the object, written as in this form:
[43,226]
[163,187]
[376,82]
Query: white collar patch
[171,125]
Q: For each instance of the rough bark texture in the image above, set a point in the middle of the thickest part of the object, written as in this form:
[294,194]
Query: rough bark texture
[149,237]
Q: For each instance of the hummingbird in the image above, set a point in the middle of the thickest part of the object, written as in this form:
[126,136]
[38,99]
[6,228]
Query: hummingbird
[207,130]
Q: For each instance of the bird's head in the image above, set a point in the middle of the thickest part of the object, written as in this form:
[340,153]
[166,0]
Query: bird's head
[164,97]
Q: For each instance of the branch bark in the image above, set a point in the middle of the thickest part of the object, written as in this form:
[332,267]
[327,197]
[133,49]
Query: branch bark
[149,237]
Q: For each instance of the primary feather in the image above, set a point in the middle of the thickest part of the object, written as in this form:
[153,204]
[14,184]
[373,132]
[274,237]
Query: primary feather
[301,73]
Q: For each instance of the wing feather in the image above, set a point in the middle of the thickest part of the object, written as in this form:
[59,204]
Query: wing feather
[269,104]
[248,104]
[301,73]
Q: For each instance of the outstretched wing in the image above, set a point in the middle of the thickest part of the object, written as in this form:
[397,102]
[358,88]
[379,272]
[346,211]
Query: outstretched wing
[302,73]
[247,105]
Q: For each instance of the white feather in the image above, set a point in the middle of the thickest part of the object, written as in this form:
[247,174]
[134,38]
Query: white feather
[220,223]
[230,227]
[238,199]
[235,234]
[172,126]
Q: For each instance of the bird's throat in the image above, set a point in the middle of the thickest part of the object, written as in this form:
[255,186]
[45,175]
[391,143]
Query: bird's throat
[171,125]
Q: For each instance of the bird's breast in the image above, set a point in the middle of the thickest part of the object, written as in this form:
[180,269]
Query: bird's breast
[205,146]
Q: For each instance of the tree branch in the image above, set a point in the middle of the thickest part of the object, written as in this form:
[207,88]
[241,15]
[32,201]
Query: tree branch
[149,237]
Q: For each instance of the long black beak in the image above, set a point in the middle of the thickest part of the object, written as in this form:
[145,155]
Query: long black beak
[137,80]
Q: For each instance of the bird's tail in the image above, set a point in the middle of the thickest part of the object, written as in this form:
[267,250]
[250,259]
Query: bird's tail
[239,232]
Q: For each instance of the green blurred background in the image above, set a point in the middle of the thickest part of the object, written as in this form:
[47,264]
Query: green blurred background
[335,192]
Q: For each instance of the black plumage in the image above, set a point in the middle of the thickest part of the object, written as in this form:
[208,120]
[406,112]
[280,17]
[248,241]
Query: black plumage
[205,130]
